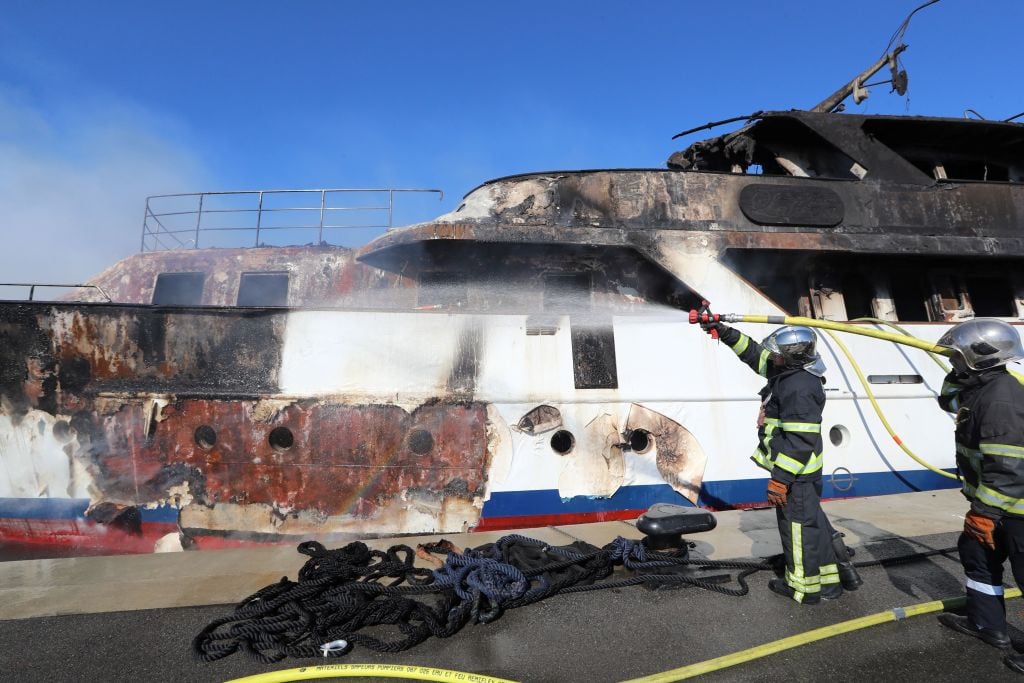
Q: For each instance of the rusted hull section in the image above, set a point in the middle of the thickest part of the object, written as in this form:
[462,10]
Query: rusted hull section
[173,418]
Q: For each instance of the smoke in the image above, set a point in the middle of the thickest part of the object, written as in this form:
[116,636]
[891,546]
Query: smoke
[73,182]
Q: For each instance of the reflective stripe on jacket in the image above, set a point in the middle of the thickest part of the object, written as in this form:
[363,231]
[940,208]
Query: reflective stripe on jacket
[789,441]
[989,408]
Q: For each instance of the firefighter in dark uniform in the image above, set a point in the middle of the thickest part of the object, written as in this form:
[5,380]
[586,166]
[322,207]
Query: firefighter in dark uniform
[790,448]
[989,406]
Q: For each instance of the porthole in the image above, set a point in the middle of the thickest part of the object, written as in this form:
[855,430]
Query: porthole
[562,441]
[205,437]
[281,438]
[421,442]
[640,441]
[839,436]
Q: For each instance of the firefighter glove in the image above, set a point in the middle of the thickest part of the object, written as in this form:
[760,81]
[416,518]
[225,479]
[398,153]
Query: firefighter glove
[777,492]
[710,326]
[982,529]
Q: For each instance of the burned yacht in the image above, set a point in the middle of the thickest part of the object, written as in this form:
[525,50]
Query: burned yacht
[523,360]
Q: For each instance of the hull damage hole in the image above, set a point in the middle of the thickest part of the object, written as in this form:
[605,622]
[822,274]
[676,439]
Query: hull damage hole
[281,438]
[562,442]
[421,442]
[205,437]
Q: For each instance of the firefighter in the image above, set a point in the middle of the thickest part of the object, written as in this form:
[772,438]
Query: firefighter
[989,406]
[790,448]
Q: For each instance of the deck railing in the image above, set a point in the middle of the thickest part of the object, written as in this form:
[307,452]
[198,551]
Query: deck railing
[66,297]
[188,221]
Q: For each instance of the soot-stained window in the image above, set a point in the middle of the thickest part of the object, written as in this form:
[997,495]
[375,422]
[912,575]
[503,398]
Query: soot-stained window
[593,340]
[593,355]
[179,289]
[263,289]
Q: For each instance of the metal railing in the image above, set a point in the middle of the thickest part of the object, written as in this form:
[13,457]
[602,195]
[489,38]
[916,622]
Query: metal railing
[176,221]
[32,288]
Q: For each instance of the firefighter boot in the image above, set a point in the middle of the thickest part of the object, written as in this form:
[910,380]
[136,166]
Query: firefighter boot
[848,574]
[780,587]
[997,639]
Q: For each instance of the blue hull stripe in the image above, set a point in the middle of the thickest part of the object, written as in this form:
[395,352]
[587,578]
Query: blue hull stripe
[714,494]
[69,509]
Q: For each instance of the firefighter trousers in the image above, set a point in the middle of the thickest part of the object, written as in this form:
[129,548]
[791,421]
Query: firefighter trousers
[806,541]
[984,570]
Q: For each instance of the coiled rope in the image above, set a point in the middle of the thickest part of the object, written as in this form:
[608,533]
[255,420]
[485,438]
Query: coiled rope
[342,594]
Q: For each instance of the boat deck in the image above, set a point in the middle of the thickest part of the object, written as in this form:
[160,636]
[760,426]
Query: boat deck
[134,617]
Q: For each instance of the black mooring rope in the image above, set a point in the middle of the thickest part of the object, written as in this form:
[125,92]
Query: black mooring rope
[343,593]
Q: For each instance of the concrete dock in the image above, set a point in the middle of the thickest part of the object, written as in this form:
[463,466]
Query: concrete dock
[133,618]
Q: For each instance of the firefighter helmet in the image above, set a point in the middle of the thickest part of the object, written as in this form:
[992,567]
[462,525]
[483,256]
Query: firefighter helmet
[984,343]
[796,345]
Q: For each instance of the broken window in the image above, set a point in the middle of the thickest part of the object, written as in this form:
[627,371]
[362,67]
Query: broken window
[908,295]
[890,287]
[859,294]
[179,289]
[971,169]
[263,289]
[992,296]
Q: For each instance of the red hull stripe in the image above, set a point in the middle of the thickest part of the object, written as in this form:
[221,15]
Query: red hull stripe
[527,521]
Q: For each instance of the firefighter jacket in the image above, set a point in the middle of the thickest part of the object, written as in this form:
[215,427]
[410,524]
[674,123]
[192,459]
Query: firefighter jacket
[789,442]
[989,409]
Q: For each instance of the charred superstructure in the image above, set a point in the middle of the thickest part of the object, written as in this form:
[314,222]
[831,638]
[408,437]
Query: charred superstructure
[517,361]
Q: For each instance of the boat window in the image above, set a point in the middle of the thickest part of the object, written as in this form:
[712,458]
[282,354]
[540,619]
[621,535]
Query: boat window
[908,296]
[592,336]
[263,289]
[895,379]
[844,286]
[593,354]
[992,296]
[975,170]
[859,295]
[442,289]
[786,146]
[179,289]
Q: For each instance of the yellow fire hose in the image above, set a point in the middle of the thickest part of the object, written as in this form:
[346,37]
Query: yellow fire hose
[423,673]
[902,337]
[416,673]
[759,651]
[878,411]
[896,614]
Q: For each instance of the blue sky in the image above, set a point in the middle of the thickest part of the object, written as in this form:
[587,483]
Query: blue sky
[104,103]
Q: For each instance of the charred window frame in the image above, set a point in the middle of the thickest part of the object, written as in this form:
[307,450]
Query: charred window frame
[993,296]
[888,287]
[179,289]
[442,289]
[263,289]
[788,147]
